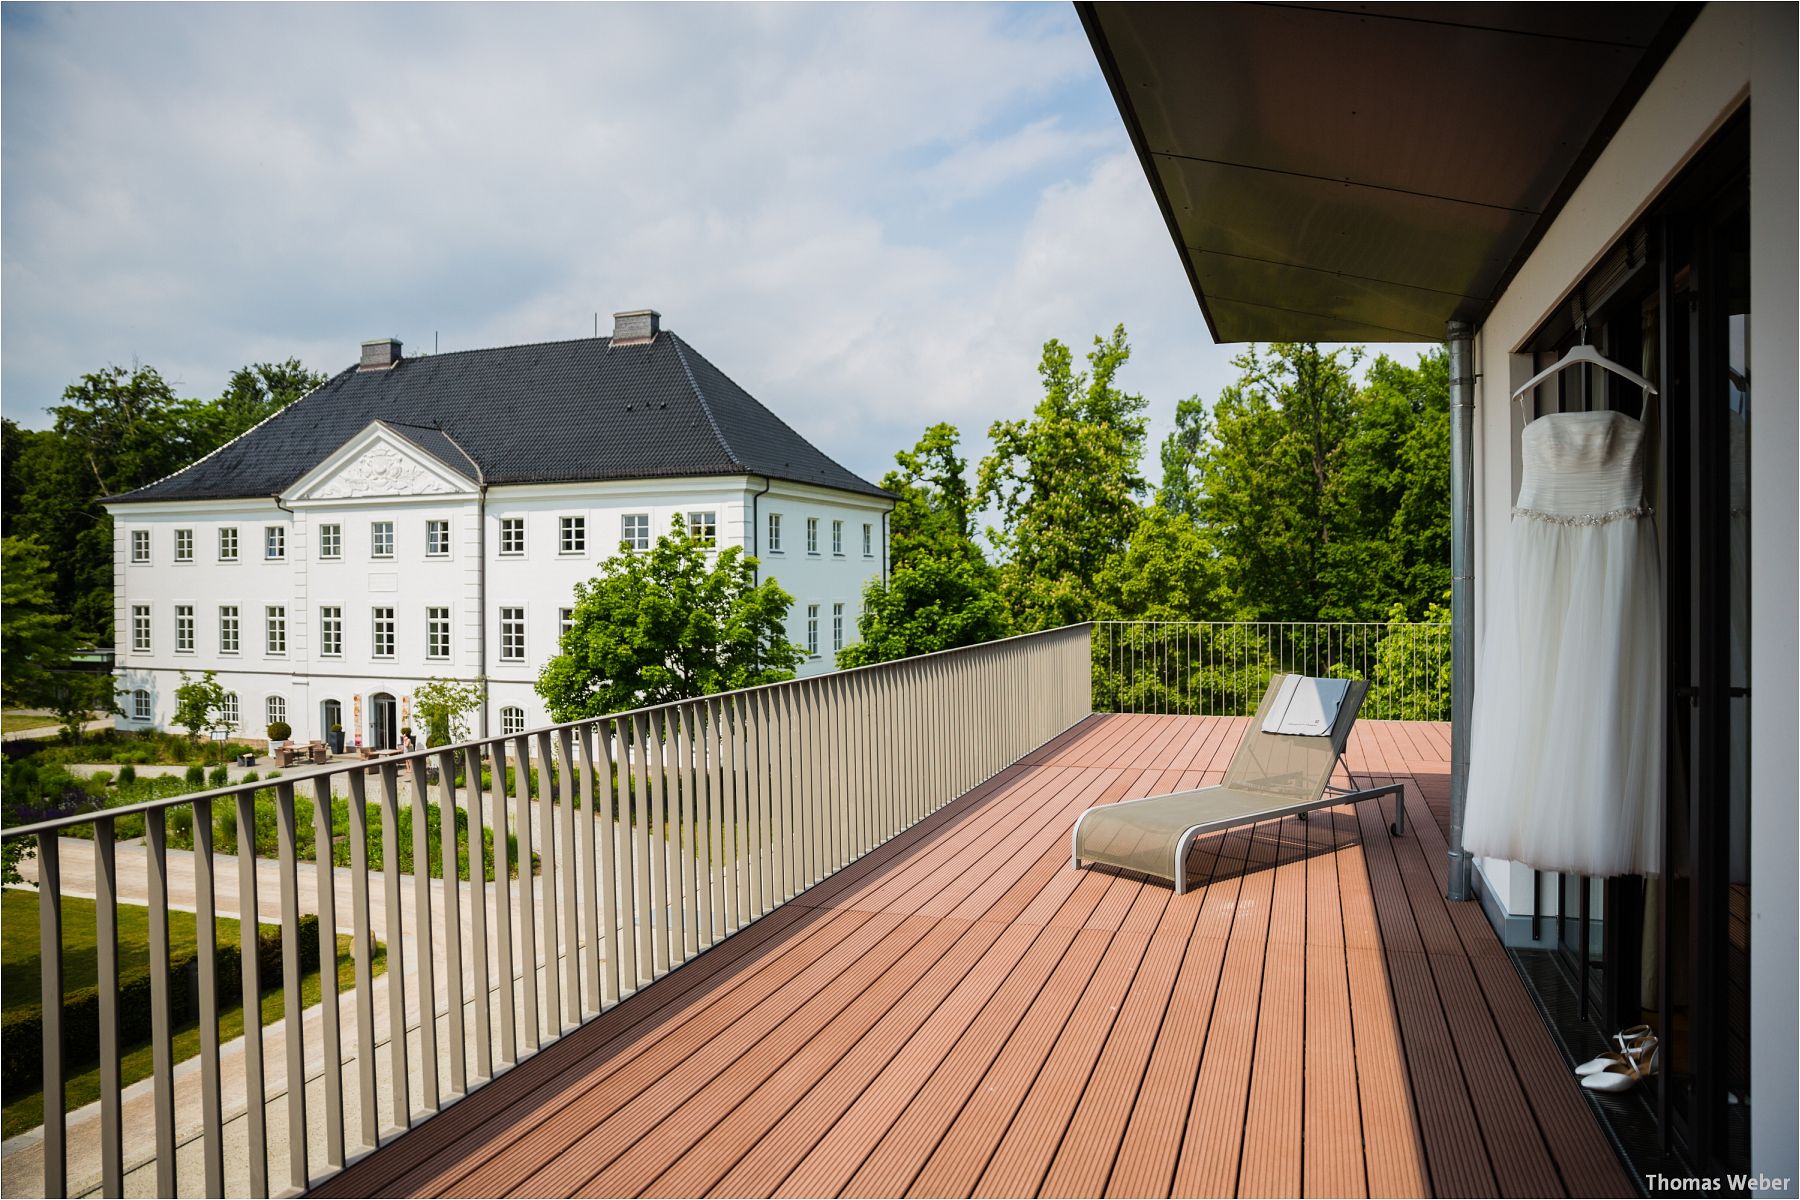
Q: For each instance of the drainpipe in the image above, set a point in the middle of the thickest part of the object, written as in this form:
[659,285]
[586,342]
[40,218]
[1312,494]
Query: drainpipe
[1462,591]
[755,527]
[481,568]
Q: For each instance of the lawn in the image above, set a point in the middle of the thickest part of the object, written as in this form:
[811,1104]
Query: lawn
[19,973]
[12,721]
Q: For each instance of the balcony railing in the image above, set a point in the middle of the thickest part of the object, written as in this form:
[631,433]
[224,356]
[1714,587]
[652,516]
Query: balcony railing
[1222,668]
[621,847]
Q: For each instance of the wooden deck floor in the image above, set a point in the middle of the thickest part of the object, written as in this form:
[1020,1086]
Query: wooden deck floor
[960,1013]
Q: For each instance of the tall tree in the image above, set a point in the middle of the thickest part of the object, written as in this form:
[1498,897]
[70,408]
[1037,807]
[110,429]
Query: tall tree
[1265,475]
[1065,484]
[257,392]
[668,624]
[941,592]
[1323,499]
[34,637]
[1180,490]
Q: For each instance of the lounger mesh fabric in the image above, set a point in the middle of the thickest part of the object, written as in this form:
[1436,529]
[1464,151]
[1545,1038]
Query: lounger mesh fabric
[1268,771]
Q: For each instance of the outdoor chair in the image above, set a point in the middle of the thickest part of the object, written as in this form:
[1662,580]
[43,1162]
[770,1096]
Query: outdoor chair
[1271,775]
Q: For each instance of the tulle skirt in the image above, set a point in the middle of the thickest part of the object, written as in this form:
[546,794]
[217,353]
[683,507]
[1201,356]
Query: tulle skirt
[1565,757]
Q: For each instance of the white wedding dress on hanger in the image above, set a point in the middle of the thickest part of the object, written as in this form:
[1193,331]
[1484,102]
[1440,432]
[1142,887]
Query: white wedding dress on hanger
[1565,760]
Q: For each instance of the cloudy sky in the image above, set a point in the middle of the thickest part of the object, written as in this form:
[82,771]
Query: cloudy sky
[872,217]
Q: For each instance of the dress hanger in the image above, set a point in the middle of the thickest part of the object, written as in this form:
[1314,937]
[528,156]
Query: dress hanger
[1584,355]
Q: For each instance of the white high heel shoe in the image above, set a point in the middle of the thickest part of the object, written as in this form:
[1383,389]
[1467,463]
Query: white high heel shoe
[1639,1065]
[1626,1040]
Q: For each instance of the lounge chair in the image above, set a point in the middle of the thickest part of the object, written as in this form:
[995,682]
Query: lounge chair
[1271,775]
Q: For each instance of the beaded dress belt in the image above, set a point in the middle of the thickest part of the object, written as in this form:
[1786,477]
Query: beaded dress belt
[1617,514]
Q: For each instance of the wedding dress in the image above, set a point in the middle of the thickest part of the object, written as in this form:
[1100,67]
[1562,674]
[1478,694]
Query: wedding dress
[1565,756]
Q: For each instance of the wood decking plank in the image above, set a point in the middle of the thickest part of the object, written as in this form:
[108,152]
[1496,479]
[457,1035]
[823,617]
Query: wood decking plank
[959,1011]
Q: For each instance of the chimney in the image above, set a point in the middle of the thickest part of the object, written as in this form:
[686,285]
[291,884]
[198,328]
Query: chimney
[636,328]
[380,354]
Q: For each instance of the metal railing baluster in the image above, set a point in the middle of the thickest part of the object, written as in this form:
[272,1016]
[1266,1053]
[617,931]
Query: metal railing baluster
[331,1036]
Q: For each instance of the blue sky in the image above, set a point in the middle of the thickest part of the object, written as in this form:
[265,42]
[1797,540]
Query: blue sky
[870,216]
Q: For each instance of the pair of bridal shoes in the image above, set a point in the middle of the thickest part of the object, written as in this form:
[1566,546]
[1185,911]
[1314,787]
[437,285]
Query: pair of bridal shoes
[1618,1071]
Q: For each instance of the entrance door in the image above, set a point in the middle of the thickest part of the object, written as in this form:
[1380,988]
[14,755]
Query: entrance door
[331,714]
[384,721]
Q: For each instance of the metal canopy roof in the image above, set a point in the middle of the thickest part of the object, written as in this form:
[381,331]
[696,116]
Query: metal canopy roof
[1368,172]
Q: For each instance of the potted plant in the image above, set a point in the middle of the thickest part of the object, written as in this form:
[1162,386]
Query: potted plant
[337,739]
[406,737]
[279,731]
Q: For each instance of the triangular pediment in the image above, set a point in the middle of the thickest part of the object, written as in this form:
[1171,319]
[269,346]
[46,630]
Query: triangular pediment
[381,462]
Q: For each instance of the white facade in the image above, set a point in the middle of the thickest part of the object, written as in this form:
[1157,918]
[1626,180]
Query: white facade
[382,568]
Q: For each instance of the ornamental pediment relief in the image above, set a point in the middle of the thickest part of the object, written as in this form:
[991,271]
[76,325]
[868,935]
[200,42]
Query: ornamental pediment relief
[382,471]
[375,463]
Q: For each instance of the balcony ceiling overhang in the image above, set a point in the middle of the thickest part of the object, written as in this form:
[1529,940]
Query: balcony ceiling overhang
[1368,172]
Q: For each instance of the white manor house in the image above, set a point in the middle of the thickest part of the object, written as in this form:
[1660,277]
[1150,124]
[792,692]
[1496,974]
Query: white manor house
[430,517]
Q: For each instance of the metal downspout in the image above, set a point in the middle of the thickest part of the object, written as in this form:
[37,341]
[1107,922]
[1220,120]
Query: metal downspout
[1462,591]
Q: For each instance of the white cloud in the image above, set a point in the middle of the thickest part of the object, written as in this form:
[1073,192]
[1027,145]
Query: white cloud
[871,216]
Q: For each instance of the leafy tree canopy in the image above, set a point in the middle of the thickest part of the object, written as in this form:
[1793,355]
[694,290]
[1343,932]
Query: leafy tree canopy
[34,637]
[1065,484]
[669,623]
[444,706]
[941,592]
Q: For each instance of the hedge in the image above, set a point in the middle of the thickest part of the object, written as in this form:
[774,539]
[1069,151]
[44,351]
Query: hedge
[22,1031]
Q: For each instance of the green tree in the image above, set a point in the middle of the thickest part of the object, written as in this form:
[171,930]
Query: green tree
[941,592]
[668,624]
[1065,484]
[199,704]
[1180,490]
[35,641]
[257,392]
[444,707]
[1266,474]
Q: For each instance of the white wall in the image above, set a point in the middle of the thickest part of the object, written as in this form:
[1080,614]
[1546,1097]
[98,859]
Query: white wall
[541,581]
[1730,53]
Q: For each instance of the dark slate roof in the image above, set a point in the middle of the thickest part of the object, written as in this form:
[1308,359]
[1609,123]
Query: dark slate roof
[554,412]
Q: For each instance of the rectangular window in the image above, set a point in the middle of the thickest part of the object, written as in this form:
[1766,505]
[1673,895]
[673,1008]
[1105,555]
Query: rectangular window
[274,542]
[140,545]
[775,532]
[140,705]
[868,540]
[565,621]
[812,630]
[512,535]
[228,544]
[184,629]
[382,630]
[704,526]
[512,635]
[228,629]
[275,628]
[184,545]
[574,535]
[331,541]
[837,627]
[437,539]
[634,531]
[812,535]
[331,631]
[140,628]
[437,633]
[381,539]
[837,538]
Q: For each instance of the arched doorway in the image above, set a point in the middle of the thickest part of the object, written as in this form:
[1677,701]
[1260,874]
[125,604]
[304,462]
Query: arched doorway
[331,717]
[384,721]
